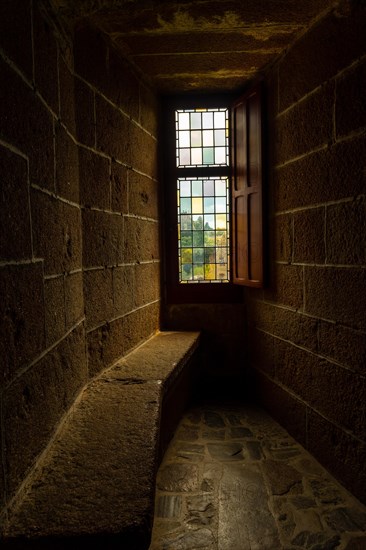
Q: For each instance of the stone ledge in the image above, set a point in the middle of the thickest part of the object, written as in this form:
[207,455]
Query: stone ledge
[97,482]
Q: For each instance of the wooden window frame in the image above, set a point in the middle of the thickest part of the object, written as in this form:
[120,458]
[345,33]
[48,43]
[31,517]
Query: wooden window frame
[173,291]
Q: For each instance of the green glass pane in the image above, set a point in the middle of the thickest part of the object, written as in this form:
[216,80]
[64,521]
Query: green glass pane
[221,238]
[197,188]
[185,206]
[186,255]
[220,138]
[198,255]
[198,238]
[186,222]
[197,222]
[195,121]
[186,272]
[198,272]
[186,238]
[209,238]
[210,255]
[208,155]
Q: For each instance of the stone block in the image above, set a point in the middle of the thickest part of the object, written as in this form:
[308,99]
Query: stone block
[119,188]
[321,176]
[346,232]
[58,223]
[283,406]
[342,344]
[67,166]
[283,238]
[102,238]
[105,345]
[295,327]
[19,103]
[74,298]
[336,294]
[15,230]
[339,452]
[326,387]
[142,196]
[98,297]
[350,106]
[16,21]
[123,290]
[95,184]
[139,325]
[54,300]
[296,135]
[45,60]
[36,401]
[141,240]
[286,285]
[149,110]
[113,131]
[309,236]
[122,85]
[84,113]
[22,317]
[144,151]
[67,96]
[321,53]
[147,283]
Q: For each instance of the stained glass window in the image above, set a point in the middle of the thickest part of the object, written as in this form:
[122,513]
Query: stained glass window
[203,229]
[203,200]
[202,137]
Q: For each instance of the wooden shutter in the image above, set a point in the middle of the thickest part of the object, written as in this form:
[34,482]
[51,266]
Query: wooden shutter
[246,189]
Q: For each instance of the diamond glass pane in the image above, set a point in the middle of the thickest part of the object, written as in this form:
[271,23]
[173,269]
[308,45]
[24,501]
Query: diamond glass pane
[203,222]
[202,137]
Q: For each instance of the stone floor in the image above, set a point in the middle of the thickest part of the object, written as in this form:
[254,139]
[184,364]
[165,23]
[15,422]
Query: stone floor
[233,479]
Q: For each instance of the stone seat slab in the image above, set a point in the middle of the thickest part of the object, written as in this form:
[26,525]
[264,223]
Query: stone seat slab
[98,477]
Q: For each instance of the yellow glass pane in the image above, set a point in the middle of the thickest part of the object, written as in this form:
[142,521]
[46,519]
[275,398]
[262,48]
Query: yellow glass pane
[220,221]
[196,205]
[187,255]
[210,271]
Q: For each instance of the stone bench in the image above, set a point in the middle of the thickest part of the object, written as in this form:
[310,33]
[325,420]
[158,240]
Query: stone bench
[97,483]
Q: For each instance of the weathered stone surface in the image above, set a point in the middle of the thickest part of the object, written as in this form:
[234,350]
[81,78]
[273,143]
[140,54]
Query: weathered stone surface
[312,248]
[119,188]
[143,195]
[55,316]
[346,233]
[198,538]
[15,228]
[84,113]
[282,477]
[22,317]
[35,403]
[160,358]
[98,297]
[213,419]
[74,298]
[191,451]
[226,451]
[67,95]
[147,283]
[238,433]
[95,184]
[178,477]
[350,109]
[141,242]
[346,519]
[103,238]
[16,20]
[90,449]
[113,131]
[343,344]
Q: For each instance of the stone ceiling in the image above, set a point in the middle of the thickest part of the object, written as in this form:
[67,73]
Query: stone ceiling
[202,45]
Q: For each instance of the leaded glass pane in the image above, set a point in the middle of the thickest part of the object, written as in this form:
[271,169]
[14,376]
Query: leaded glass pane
[203,229]
[202,137]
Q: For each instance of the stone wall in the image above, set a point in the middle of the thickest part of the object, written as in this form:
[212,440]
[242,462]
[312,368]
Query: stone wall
[308,327]
[79,245]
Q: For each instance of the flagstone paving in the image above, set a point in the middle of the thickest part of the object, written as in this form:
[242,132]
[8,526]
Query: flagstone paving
[233,479]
